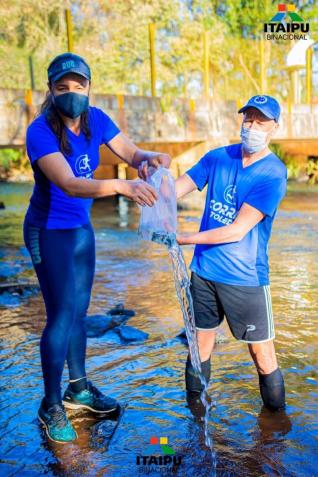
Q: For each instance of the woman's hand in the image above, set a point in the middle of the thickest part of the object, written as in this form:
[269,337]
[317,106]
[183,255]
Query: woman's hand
[138,191]
[155,160]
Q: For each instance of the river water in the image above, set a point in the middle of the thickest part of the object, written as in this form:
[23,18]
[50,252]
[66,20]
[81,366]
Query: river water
[148,377]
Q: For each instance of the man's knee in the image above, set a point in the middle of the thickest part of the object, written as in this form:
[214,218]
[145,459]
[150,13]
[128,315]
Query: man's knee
[206,340]
[272,389]
[264,356]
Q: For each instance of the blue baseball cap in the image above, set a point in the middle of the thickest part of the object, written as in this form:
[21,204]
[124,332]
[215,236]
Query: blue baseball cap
[265,104]
[68,63]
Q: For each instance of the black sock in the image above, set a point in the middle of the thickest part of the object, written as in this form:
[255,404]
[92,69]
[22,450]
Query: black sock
[192,380]
[79,385]
[272,389]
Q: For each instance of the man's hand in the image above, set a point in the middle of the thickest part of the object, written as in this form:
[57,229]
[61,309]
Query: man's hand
[139,191]
[155,159]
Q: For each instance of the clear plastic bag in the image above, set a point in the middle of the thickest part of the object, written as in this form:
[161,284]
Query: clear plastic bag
[159,222]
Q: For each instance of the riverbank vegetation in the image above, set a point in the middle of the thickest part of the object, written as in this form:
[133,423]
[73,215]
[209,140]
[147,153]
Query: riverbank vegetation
[113,36]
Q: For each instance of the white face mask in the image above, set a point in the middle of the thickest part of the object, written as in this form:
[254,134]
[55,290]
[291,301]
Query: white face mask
[253,140]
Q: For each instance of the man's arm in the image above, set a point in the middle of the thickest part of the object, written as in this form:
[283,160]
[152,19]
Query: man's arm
[124,148]
[246,219]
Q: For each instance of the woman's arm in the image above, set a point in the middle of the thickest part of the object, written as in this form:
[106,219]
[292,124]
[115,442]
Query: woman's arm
[246,219]
[124,148]
[58,171]
[184,185]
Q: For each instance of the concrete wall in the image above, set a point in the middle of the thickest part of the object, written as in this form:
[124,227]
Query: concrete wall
[146,120]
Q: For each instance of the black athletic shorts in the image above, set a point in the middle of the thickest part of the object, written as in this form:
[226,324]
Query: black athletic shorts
[248,310]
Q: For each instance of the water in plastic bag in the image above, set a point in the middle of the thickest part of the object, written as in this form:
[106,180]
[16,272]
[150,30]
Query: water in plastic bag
[159,222]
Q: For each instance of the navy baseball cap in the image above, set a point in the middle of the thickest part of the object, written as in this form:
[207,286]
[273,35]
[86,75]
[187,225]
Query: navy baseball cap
[265,104]
[68,63]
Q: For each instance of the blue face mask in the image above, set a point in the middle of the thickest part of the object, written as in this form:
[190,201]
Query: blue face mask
[71,105]
[253,140]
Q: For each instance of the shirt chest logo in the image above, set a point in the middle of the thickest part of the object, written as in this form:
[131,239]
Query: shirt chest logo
[221,212]
[229,194]
[82,166]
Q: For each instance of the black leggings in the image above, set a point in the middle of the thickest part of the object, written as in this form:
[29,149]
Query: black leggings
[64,261]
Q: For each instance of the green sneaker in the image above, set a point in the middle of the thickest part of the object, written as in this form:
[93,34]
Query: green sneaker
[57,426]
[90,398]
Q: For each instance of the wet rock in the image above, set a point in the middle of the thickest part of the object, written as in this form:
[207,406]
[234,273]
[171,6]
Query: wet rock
[182,337]
[120,314]
[120,310]
[221,338]
[2,206]
[19,288]
[12,294]
[110,337]
[10,269]
[128,333]
[119,320]
[97,325]
[9,300]
[103,432]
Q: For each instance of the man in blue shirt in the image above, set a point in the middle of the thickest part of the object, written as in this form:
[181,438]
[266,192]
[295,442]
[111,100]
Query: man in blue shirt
[230,274]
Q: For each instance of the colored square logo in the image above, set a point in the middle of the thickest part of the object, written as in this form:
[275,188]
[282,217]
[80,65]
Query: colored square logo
[291,8]
[153,440]
[163,440]
[281,7]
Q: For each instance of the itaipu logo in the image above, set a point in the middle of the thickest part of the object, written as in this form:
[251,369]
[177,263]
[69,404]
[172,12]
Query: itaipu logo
[286,25]
[157,456]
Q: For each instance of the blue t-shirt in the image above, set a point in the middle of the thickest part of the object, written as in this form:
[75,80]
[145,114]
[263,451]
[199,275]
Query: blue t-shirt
[50,207]
[261,185]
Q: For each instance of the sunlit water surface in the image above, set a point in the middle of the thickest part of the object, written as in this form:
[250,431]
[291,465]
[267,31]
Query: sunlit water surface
[148,377]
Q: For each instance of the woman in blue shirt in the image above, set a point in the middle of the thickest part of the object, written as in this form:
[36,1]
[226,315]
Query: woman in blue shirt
[63,147]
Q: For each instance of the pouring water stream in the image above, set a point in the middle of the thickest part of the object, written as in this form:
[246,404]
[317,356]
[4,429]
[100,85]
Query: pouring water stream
[158,224]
